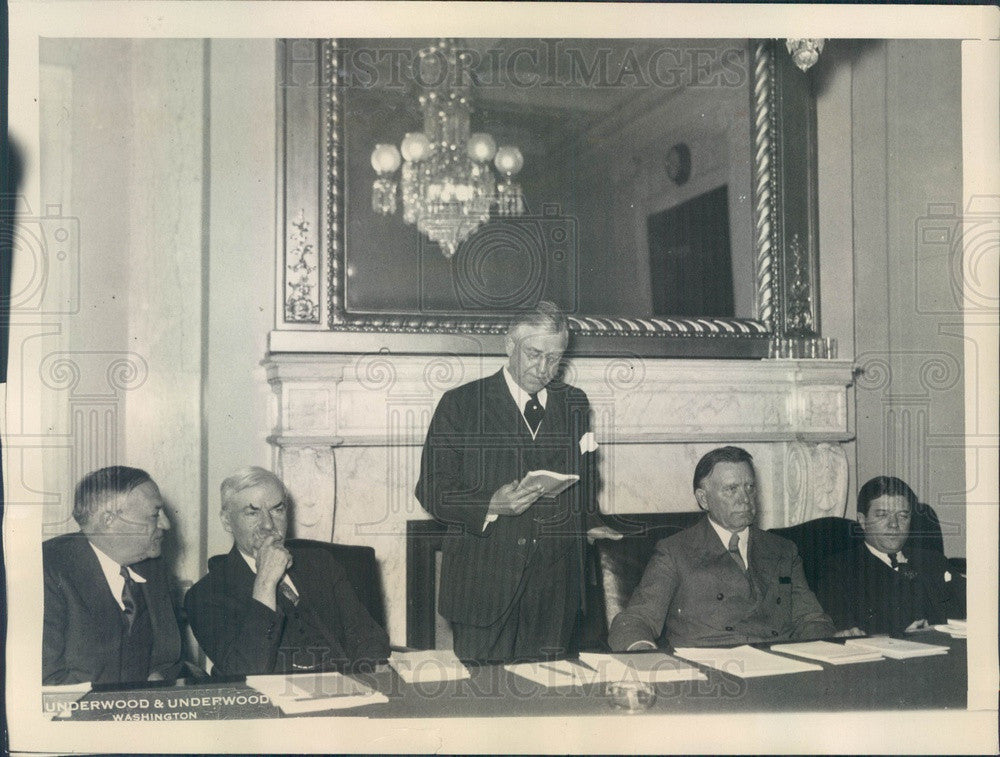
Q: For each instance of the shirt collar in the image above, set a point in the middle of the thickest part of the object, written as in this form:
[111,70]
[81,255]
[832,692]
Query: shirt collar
[900,557]
[113,570]
[725,535]
[113,575]
[520,396]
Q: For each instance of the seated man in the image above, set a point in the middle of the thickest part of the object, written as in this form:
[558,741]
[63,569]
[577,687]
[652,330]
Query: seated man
[108,614]
[722,581]
[887,586]
[269,608]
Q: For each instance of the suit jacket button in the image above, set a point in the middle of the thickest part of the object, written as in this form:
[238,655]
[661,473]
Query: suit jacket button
[719,595]
[521,542]
[729,628]
[779,600]
[773,632]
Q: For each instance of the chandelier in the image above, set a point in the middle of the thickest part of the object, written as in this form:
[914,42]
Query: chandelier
[448,187]
[804,52]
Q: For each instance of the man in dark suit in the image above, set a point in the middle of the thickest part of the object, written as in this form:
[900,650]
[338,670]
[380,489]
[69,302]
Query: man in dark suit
[108,614]
[723,581]
[511,565]
[886,586]
[272,607]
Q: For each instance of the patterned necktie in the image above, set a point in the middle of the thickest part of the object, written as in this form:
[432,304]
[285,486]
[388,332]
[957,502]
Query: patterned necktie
[128,597]
[288,592]
[533,412]
[734,550]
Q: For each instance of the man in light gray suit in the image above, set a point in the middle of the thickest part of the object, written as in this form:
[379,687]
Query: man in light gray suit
[723,581]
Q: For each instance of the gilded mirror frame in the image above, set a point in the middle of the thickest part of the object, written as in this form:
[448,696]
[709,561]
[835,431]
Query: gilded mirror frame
[314,258]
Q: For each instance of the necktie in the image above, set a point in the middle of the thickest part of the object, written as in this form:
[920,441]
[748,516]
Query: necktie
[894,561]
[734,550]
[533,412]
[288,592]
[128,597]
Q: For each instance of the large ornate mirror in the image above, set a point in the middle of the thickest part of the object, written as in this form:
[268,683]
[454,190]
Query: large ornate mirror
[668,190]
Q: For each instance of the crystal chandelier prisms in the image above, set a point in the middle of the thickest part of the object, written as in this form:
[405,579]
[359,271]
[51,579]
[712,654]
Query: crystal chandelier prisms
[447,185]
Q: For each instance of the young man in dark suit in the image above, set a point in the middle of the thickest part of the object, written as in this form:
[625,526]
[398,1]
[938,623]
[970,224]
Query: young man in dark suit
[887,586]
[723,581]
[272,607]
[108,614]
[511,565]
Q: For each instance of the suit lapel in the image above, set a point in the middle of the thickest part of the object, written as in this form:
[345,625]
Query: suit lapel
[500,412]
[91,582]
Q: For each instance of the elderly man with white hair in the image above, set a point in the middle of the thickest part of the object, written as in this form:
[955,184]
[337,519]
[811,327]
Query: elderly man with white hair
[272,607]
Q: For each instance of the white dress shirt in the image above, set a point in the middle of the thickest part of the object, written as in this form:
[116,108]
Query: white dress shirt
[521,397]
[900,557]
[725,536]
[113,573]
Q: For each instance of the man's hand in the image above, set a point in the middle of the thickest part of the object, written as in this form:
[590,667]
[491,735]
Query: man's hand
[917,625]
[603,532]
[272,562]
[848,632]
[509,499]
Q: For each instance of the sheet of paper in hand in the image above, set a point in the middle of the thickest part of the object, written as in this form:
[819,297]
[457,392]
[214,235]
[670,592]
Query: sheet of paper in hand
[551,482]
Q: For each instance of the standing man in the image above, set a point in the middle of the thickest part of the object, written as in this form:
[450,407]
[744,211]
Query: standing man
[271,606]
[108,614]
[886,586]
[723,581]
[512,559]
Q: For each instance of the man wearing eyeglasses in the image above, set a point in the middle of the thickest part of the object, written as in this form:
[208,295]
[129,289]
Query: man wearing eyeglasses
[108,613]
[512,558]
[887,585]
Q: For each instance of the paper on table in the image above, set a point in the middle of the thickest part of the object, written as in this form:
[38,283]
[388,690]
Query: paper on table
[428,666]
[57,701]
[745,661]
[313,692]
[956,628]
[649,667]
[827,651]
[556,673]
[551,482]
[898,649]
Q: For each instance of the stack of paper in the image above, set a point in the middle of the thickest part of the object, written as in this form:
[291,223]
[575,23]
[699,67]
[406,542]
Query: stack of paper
[898,649]
[649,667]
[314,692]
[556,673]
[745,661]
[60,701]
[428,666]
[827,651]
[957,628]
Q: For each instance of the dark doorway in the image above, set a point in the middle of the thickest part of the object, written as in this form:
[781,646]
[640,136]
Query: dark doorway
[689,258]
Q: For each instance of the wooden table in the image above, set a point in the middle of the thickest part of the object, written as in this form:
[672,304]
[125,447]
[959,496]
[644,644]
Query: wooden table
[938,682]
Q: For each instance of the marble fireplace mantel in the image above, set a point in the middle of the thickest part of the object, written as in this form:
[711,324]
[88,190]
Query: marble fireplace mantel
[350,427]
